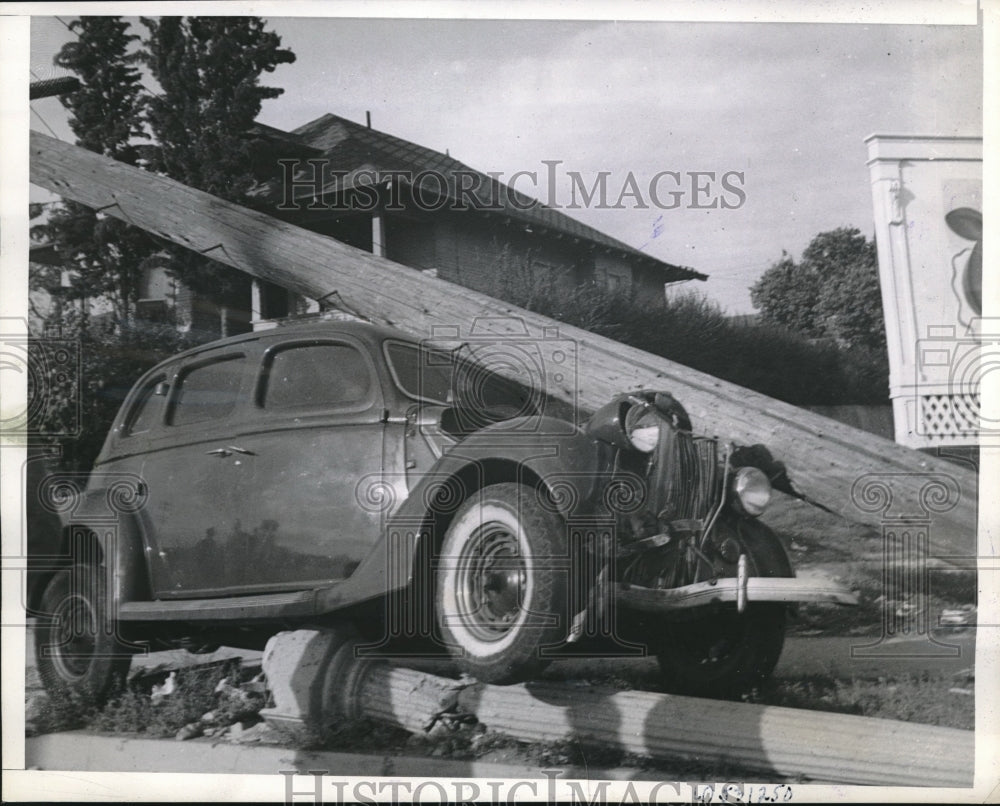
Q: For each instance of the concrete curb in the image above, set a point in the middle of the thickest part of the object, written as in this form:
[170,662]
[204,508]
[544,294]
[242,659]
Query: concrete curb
[79,750]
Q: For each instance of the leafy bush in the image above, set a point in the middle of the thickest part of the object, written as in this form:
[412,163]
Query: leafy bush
[112,359]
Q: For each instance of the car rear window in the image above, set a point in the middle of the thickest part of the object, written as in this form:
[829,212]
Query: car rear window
[421,373]
[453,379]
[315,375]
[146,410]
[207,391]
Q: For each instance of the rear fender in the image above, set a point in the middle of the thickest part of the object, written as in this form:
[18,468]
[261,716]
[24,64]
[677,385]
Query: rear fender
[103,527]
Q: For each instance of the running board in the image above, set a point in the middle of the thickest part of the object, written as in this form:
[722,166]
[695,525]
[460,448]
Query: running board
[729,589]
[264,606]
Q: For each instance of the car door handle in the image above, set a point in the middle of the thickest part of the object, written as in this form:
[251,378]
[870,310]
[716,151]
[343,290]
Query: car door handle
[219,452]
[244,451]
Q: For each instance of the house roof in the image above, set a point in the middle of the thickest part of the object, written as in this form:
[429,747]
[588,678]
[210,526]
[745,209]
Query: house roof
[346,146]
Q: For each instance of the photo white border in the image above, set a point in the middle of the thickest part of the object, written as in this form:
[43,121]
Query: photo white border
[89,786]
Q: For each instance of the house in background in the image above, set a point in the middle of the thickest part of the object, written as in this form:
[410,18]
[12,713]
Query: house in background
[384,194]
[414,206]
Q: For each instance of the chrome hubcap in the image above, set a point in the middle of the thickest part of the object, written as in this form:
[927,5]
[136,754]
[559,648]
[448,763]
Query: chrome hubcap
[491,582]
[75,637]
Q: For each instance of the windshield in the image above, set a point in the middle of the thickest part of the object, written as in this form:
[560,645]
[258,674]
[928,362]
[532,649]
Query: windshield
[438,376]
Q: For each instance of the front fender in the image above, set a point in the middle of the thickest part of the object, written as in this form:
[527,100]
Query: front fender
[766,550]
[545,453]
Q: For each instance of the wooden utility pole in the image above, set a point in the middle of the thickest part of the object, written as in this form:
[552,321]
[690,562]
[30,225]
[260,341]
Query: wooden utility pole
[316,677]
[854,473]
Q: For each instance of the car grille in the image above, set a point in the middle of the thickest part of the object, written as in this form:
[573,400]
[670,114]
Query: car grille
[691,485]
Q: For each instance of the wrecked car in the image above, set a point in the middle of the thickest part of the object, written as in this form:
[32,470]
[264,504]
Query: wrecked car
[335,470]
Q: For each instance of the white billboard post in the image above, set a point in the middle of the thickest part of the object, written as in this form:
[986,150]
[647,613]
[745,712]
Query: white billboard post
[927,196]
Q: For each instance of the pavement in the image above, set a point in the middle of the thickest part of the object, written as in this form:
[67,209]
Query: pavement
[79,750]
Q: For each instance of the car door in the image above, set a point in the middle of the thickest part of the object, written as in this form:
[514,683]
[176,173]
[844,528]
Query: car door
[194,480]
[315,430]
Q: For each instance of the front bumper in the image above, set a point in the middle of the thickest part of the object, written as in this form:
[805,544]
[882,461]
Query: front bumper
[739,590]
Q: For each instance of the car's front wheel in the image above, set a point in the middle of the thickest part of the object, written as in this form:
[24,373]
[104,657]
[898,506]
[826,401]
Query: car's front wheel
[76,649]
[500,597]
[727,653]
[723,654]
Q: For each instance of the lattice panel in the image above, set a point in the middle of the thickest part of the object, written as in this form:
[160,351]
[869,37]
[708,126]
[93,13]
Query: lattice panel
[949,415]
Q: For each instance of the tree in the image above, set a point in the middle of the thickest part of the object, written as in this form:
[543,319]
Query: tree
[104,254]
[787,294]
[832,293]
[209,70]
[850,302]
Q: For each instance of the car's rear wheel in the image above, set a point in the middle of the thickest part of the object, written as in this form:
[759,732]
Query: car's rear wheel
[499,597]
[76,650]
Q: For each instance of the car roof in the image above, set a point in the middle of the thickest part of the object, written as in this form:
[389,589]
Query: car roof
[325,326]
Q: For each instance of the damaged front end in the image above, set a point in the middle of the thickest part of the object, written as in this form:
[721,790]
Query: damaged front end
[696,541]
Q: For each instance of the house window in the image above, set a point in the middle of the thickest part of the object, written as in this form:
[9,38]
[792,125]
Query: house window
[156,294]
[617,280]
[268,301]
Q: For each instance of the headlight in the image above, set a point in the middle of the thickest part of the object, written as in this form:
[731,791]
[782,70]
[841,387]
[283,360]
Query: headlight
[643,428]
[752,490]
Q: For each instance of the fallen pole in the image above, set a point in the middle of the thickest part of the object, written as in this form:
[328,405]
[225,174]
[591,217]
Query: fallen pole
[788,742]
[856,474]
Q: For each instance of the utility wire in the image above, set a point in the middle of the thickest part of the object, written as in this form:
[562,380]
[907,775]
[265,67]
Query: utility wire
[39,114]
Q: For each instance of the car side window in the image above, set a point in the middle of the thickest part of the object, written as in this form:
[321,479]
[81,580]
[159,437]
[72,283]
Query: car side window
[146,410]
[207,391]
[315,375]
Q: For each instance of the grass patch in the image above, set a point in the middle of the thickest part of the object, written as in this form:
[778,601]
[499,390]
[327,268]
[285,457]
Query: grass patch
[196,691]
[853,555]
[357,736]
[51,712]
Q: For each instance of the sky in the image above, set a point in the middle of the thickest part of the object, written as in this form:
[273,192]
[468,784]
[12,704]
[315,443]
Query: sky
[788,106]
